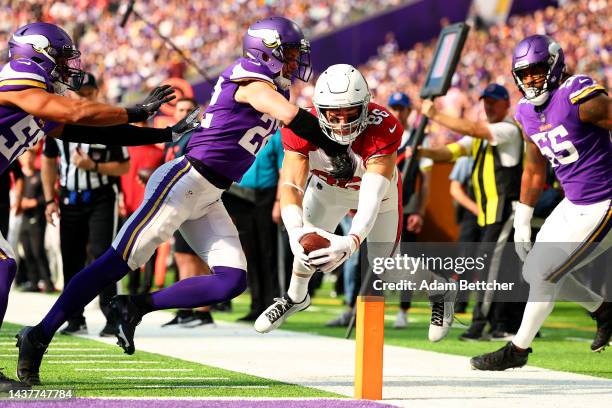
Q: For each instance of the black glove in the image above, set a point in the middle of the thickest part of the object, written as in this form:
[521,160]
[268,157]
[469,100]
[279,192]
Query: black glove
[187,124]
[344,168]
[151,104]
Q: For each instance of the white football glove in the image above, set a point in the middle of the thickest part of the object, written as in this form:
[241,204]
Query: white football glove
[294,242]
[339,250]
[522,230]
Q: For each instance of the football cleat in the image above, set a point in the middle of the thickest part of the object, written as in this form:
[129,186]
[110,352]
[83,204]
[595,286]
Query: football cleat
[198,319]
[75,327]
[603,317]
[442,314]
[341,321]
[6,384]
[401,320]
[278,312]
[128,316]
[30,356]
[502,359]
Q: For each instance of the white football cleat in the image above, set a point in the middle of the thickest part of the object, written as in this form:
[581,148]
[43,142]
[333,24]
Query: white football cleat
[442,315]
[278,312]
[401,320]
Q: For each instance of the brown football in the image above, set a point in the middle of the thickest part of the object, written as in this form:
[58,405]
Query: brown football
[312,241]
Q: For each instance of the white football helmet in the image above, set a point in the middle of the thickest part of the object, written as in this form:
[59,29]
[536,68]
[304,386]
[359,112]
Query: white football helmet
[342,86]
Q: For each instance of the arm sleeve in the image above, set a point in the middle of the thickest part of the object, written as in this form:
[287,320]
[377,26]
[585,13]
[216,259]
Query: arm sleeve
[306,126]
[120,135]
[294,143]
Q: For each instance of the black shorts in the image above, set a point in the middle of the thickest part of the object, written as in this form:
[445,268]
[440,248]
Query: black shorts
[180,245]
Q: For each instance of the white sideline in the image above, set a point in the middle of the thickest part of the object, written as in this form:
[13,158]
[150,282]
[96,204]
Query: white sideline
[412,378]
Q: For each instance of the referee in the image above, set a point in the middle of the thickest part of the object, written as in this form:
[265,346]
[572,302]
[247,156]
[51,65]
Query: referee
[497,149]
[88,176]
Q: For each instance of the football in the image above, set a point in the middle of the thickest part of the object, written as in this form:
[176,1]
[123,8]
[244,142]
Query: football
[313,241]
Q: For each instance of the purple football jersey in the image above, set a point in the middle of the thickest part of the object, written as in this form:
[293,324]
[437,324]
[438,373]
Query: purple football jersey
[18,129]
[233,133]
[580,152]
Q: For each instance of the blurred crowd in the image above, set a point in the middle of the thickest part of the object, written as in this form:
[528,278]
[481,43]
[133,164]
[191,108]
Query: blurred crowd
[583,28]
[134,58]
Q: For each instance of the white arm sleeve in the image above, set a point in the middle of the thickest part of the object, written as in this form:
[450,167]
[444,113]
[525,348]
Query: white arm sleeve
[292,216]
[373,189]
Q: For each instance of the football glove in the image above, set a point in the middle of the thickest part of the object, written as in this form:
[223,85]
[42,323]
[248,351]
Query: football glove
[339,250]
[522,230]
[187,124]
[151,104]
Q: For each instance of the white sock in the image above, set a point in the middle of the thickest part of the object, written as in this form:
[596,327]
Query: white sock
[533,318]
[298,288]
[573,290]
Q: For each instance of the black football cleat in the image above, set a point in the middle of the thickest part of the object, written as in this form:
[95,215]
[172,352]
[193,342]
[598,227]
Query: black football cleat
[6,384]
[502,359]
[603,317]
[128,316]
[31,353]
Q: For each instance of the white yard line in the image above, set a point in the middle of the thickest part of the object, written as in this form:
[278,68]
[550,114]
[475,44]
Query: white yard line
[201,386]
[136,369]
[168,378]
[414,378]
[137,362]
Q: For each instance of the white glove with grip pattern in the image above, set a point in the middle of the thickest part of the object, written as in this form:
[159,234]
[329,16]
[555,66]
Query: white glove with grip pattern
[522,230]
[339,250]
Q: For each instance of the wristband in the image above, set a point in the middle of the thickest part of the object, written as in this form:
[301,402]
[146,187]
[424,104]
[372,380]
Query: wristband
[96,167]
[49,202]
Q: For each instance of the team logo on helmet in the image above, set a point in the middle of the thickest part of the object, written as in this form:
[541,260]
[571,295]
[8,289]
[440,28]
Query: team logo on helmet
[269,37]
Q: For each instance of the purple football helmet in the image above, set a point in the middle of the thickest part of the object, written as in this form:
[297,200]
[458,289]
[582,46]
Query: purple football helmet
[51,48]
[538,51]
[268,40]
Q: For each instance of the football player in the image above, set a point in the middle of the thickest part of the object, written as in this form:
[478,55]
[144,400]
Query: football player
[249,102]
[566,120]
[43,64]
[346,115]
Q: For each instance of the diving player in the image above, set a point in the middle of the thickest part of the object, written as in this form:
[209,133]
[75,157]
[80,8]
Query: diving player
[43,64]
[249,102]
[342,104]
[567,120]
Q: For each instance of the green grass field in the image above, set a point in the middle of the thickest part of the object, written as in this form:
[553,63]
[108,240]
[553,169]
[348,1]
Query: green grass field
[564,346]
[93,369]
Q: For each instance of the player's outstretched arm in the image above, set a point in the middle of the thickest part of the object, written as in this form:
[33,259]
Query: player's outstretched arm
[597,111]
[292,184]
[262,97]
[128,135]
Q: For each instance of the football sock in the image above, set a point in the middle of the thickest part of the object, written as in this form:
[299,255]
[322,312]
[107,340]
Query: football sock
[82,289]
[8,268]
[224,284]
[298,288]
[533,318]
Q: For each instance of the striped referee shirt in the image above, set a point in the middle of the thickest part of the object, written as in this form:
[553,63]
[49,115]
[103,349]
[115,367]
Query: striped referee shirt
[74,179]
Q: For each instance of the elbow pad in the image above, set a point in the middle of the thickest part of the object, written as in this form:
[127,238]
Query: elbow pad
[373,189]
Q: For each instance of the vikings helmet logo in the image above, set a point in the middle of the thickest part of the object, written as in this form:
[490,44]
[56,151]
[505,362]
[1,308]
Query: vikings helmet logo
[269,37]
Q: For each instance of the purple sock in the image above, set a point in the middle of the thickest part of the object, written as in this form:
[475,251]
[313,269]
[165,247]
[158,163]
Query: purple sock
[8,268]
[82,289]
[224,284]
